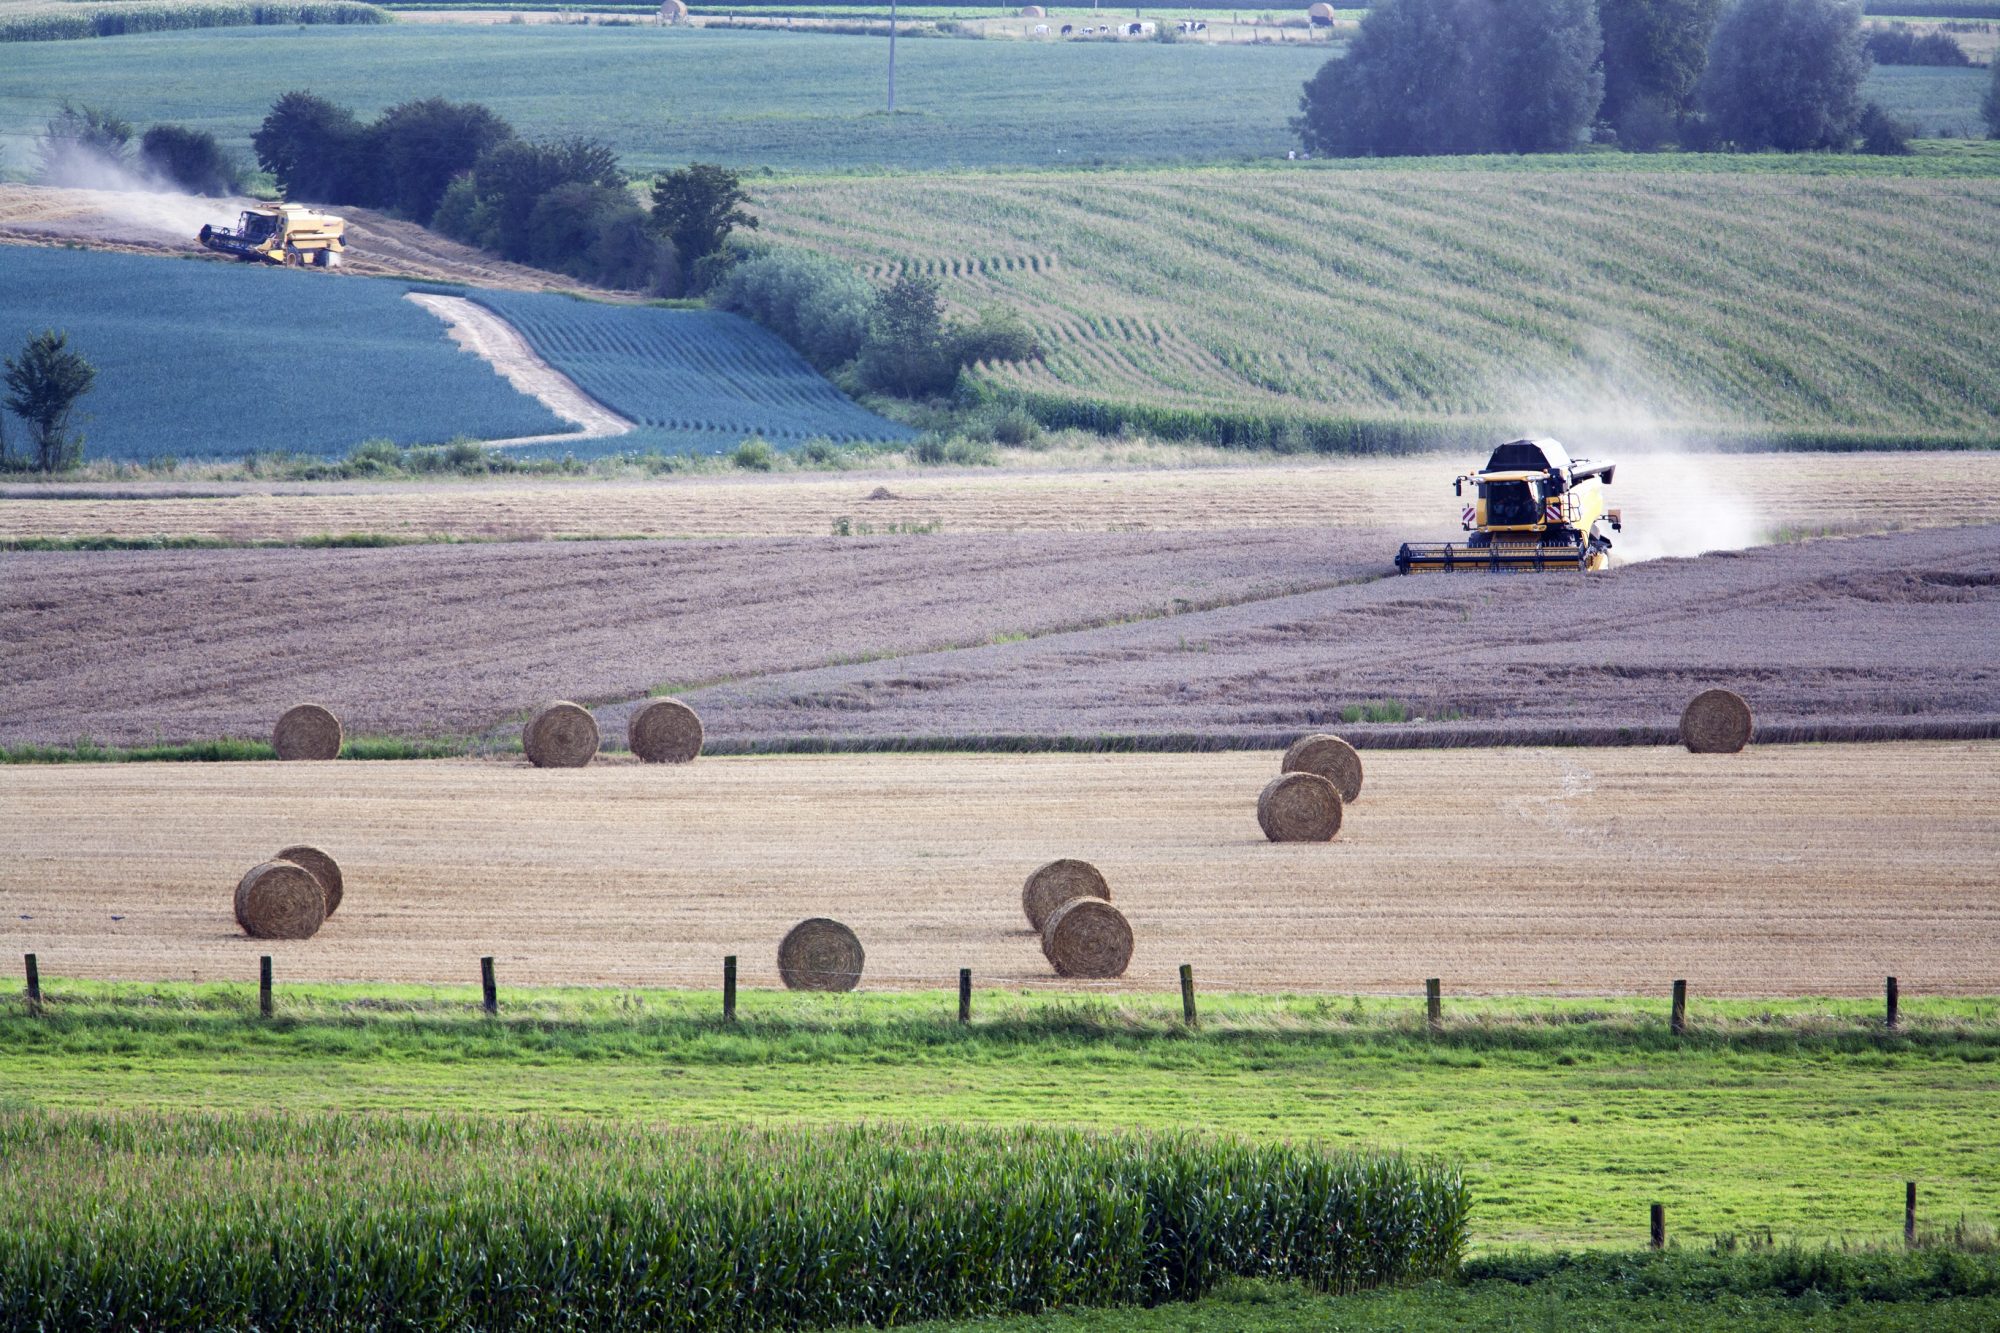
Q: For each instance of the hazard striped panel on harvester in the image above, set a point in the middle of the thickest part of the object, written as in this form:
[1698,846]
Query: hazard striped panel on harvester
[1552,512]
[1467,515]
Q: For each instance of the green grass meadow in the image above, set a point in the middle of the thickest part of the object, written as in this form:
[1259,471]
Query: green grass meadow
[1795,1119]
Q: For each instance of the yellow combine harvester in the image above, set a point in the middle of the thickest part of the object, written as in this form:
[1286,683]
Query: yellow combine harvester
[1533,509]
[289,234]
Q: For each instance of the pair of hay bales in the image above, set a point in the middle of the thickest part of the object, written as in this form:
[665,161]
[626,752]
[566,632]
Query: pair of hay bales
[564,735]
[1320,776]
[1068,902]
[290,896]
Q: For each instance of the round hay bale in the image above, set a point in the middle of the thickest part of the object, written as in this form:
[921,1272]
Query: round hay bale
[1299,807]
[280,901]
[1057,883]
[1321,13]
[307,732]
[672,11]
[1033,12]
[1716,722]
[820,954]
[1088,937]
[563,735]
[1330,757]
[321,867]
[664,731]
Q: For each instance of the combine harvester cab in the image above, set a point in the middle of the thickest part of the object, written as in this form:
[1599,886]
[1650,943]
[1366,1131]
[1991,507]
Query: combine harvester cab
[288,234]
[1533,510]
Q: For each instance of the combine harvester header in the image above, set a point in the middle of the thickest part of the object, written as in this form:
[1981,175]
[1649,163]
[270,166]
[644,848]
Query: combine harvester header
[1533,510]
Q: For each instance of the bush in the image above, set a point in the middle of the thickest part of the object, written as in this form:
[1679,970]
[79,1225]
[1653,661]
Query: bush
[83,146]
[818,305]
[191,159]
[1000,335]
[754,455]
[1898,45]
[1785,74]
[511,178]
[1881,134]
[1459,76]
[906,351]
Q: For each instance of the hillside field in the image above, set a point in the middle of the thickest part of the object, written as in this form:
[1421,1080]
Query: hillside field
[1624,300]
[750,99]
[205,360]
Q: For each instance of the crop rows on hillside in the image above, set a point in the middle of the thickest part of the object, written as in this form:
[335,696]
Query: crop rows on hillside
[701,377]
[1392,305]
[218,360]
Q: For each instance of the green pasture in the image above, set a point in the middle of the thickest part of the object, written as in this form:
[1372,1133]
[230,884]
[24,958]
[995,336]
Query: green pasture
[1792,1119]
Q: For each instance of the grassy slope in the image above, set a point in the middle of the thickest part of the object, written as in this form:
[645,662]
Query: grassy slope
[1568,1116]
[1602,295]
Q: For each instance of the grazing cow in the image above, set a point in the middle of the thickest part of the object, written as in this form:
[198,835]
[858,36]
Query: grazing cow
[1041,30]
[1068,28]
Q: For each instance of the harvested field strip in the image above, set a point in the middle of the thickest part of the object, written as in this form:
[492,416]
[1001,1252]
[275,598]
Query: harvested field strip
[1782,871]
[1661,495]
[449,640]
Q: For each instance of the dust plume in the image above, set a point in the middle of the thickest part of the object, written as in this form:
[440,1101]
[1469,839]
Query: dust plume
[139,200]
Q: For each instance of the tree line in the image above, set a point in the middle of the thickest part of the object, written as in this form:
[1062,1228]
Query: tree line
[1529,76]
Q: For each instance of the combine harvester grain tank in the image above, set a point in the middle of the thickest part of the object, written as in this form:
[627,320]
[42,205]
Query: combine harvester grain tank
[1532,509]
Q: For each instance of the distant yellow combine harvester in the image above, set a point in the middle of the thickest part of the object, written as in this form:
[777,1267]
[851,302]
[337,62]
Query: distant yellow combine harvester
[288,234]
[1533,510]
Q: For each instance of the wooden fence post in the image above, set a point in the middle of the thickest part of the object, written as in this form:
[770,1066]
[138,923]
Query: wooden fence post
[490,999]
[729,988]
[1187,994]
[1434,1002]
[1890,1003]
[965,995]
[1909,1212]
[1679,1021]
[264,985]
[34,987]
[1658,1219]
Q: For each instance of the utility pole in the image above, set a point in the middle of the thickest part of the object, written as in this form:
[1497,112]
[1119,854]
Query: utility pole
[892,57]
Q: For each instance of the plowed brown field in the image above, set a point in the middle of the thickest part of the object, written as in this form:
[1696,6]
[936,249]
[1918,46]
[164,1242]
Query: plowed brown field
[1672,505]
[1796,870]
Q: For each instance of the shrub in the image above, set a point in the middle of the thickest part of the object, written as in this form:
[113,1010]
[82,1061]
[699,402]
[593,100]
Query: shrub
[818,305]
[1000,335]
[1458,76]
[511,178]
[191,159]
[754,455]
[1881,134]
[906,351]
[1899,45]
[1785,74]
[697,208]
[82,146]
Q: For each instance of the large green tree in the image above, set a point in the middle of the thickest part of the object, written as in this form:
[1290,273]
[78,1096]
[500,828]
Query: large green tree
[43,384]
[315,149]
[697,207]
[1785,74]
[1654,54]
[420,146]
[1458,76]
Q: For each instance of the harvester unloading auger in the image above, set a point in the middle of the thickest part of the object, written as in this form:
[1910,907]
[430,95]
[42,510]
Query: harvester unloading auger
[1533,510]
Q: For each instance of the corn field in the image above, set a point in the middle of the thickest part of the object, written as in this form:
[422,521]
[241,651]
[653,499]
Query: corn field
[62,22]
[1367,308]
[341,1222]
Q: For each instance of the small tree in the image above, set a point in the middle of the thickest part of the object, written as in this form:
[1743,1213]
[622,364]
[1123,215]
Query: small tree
[190,159]
[1882,134]
[42,389]
[697,207]
[1785,74]
[906,352]
[82,146]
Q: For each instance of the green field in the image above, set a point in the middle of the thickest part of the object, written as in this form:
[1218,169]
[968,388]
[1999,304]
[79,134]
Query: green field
[1568,1117]
[1647,299]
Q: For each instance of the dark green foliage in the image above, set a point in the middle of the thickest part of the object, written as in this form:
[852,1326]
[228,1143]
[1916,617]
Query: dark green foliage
[597,233]
[42,385]
[1881,133]
[82,146]
[420,146]
[107,22]
[337,1222]
[697,208]
[818,305]
[1458,76]
[313,148]
[999,335]
[1654,53]
[1989,106]
[1785,74]
[511,178]
[1899,45]
[191,160]
[907,353]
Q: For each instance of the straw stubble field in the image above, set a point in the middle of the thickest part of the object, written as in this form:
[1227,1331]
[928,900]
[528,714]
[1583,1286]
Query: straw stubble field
[1787,871]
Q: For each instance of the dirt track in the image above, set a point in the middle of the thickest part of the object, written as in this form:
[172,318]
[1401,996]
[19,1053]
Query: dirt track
[1669,502]
[491,338]
[1796,870]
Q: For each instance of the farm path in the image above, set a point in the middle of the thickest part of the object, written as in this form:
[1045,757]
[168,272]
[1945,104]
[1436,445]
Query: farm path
[1781,871]
[1673,504]
[495,341]
[135,645]
[1820,636]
